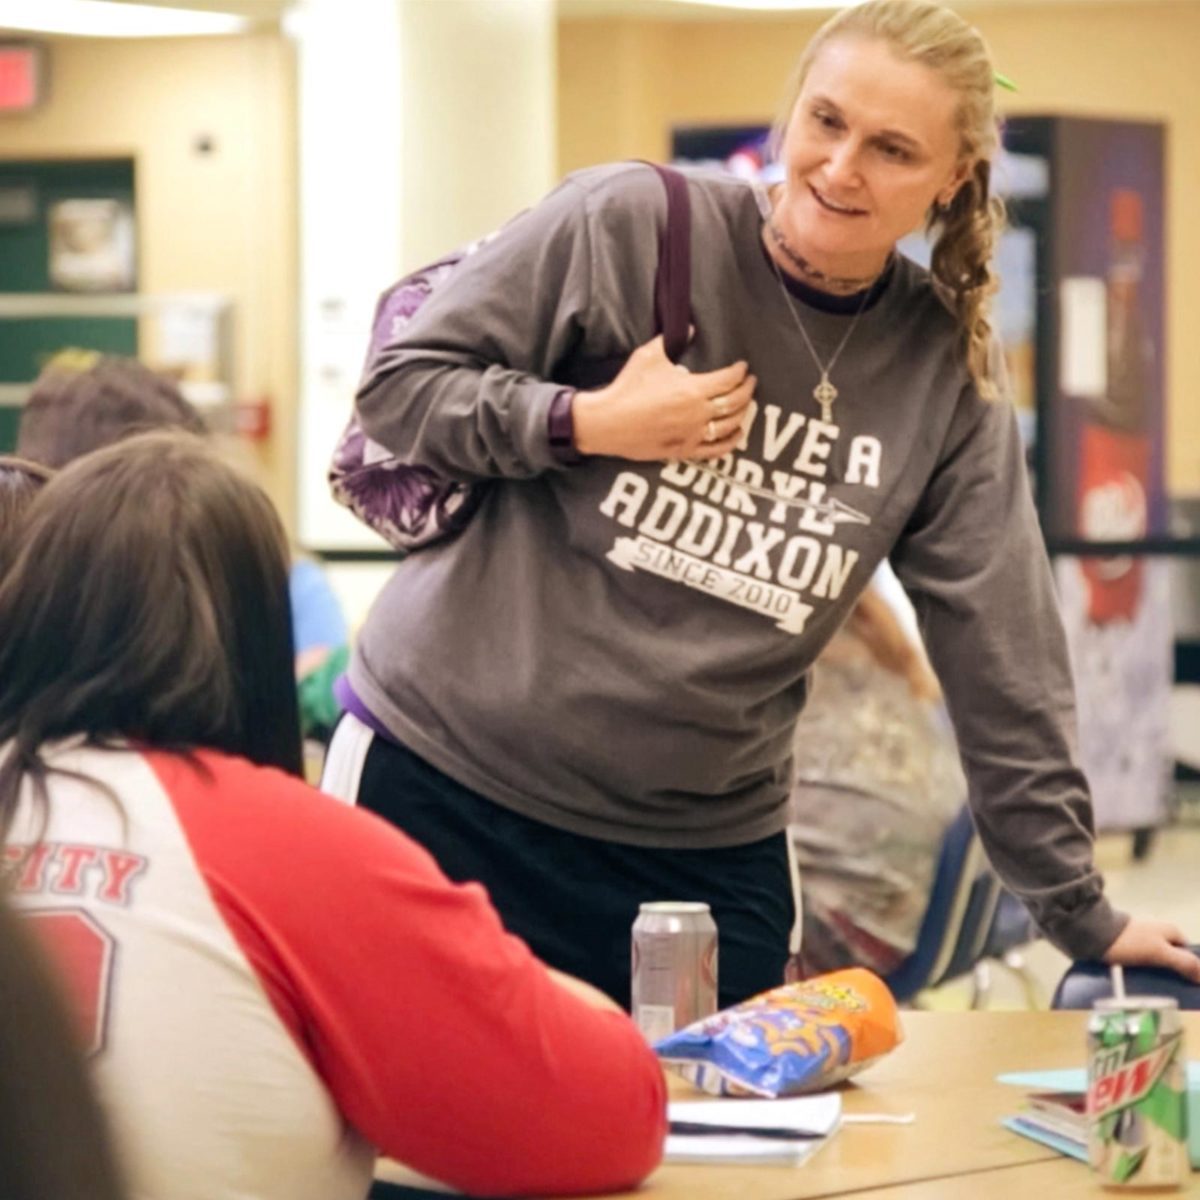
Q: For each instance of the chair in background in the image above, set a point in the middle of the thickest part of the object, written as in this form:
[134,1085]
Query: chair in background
[970,924]
[956,906]
[1086,982]
[1010,931]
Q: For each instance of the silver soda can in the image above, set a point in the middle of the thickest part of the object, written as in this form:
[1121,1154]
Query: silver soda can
[1137,1093]
[674,966]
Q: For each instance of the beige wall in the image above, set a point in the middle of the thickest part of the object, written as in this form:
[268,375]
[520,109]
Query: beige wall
[623,84]
[218,222]
[227,221]
[478,118]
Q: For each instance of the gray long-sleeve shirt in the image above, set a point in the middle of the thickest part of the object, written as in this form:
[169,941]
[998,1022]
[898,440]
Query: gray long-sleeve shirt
[620,649]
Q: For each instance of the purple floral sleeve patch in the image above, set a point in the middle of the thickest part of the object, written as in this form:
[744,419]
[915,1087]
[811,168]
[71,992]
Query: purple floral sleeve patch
[409,505]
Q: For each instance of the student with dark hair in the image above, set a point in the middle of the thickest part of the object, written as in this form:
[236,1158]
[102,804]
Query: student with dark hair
[274,986]
[53,1141]
[182,558]
[19,483]
[84,400]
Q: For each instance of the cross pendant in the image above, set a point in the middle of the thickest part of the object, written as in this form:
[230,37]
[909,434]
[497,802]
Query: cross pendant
[825,394]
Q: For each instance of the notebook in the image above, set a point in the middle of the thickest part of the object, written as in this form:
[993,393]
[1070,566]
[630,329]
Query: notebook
[1029,1123]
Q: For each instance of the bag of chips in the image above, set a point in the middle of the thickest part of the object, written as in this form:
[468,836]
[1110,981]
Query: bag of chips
[802,1037]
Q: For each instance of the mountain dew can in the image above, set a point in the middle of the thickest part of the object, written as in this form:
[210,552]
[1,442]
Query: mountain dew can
[1137,1093]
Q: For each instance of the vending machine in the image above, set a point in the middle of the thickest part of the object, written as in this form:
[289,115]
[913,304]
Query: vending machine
[1099,450]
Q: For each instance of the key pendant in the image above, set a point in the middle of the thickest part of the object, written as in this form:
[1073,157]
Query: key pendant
[825,394]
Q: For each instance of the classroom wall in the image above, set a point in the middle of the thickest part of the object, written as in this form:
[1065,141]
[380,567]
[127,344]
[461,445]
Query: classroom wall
[227,221]
[224,221]
[478,118]
[623,83]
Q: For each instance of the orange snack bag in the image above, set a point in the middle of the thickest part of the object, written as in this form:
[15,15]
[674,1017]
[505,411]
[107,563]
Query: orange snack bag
[801,1037]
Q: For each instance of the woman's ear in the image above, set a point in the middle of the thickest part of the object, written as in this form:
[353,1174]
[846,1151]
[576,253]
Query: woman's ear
[962,173]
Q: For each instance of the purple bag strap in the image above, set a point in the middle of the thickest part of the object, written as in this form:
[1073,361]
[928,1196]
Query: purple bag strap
[673,283]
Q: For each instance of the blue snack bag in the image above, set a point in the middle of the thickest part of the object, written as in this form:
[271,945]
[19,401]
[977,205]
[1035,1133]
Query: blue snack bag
[801,1037]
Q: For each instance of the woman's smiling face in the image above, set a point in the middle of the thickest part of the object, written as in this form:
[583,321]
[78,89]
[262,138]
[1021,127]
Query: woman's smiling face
[871,144]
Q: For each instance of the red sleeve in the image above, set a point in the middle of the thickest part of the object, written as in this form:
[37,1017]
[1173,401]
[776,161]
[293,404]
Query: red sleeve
[440,1036]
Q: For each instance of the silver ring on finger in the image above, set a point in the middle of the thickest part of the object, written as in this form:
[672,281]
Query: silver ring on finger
[710,431]
[721,405]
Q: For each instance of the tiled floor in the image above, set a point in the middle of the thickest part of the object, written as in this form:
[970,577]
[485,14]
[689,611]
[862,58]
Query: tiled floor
[1165,885]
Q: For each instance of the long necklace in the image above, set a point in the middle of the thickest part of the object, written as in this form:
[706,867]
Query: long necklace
[824,393]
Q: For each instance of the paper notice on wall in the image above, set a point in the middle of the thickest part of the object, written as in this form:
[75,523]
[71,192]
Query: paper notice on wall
[1083,361]
[187,337]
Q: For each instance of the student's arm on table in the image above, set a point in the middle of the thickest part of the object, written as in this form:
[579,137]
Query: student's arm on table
[439,1035]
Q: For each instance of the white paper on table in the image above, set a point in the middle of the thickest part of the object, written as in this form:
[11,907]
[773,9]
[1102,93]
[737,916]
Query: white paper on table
[732,1148]
[815,1116]
[818,1114]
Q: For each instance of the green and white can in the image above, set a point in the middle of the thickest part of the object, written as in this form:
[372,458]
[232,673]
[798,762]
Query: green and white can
[1137,1093]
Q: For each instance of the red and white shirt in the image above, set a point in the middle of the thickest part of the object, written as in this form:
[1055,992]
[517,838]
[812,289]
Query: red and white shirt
[274,986]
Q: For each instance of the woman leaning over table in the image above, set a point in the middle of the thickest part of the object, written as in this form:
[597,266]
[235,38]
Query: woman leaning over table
[586,699]
[272,987]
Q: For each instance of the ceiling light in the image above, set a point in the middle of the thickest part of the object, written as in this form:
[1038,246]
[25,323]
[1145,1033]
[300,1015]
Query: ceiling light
[103,18]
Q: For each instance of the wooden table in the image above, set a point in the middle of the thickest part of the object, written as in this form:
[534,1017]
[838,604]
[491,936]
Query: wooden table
[945,1073]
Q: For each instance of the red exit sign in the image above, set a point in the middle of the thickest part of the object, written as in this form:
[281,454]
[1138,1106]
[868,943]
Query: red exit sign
[20,76]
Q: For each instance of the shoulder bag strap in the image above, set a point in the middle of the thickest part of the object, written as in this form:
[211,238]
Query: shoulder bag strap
[673,283]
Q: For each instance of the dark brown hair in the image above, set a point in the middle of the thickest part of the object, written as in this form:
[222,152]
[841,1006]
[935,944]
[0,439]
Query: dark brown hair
[147,600]
[19,483]
[83,401]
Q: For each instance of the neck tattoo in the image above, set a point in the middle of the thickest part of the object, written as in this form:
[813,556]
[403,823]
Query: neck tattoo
[844,284]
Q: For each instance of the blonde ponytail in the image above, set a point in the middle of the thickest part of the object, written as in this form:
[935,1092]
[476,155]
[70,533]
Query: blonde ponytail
[966,232]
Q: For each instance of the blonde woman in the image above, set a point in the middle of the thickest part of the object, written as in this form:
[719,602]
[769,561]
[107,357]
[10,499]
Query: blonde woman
[586,699]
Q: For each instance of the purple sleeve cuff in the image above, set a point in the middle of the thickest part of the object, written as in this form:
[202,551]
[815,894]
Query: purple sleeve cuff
[560,427]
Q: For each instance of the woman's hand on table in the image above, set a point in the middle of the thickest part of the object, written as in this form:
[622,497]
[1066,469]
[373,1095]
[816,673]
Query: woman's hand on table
[1154,944]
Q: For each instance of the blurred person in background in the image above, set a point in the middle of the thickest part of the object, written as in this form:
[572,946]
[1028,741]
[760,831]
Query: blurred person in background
[877,781]
[273,986]
[19,483]
[322,644]
[83,400]
[587,698]
[54,1144]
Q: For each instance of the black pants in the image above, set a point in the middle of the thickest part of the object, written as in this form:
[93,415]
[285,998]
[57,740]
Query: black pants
[573,899]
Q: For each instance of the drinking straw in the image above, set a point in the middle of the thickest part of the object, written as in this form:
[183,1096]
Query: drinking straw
[1117,974]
